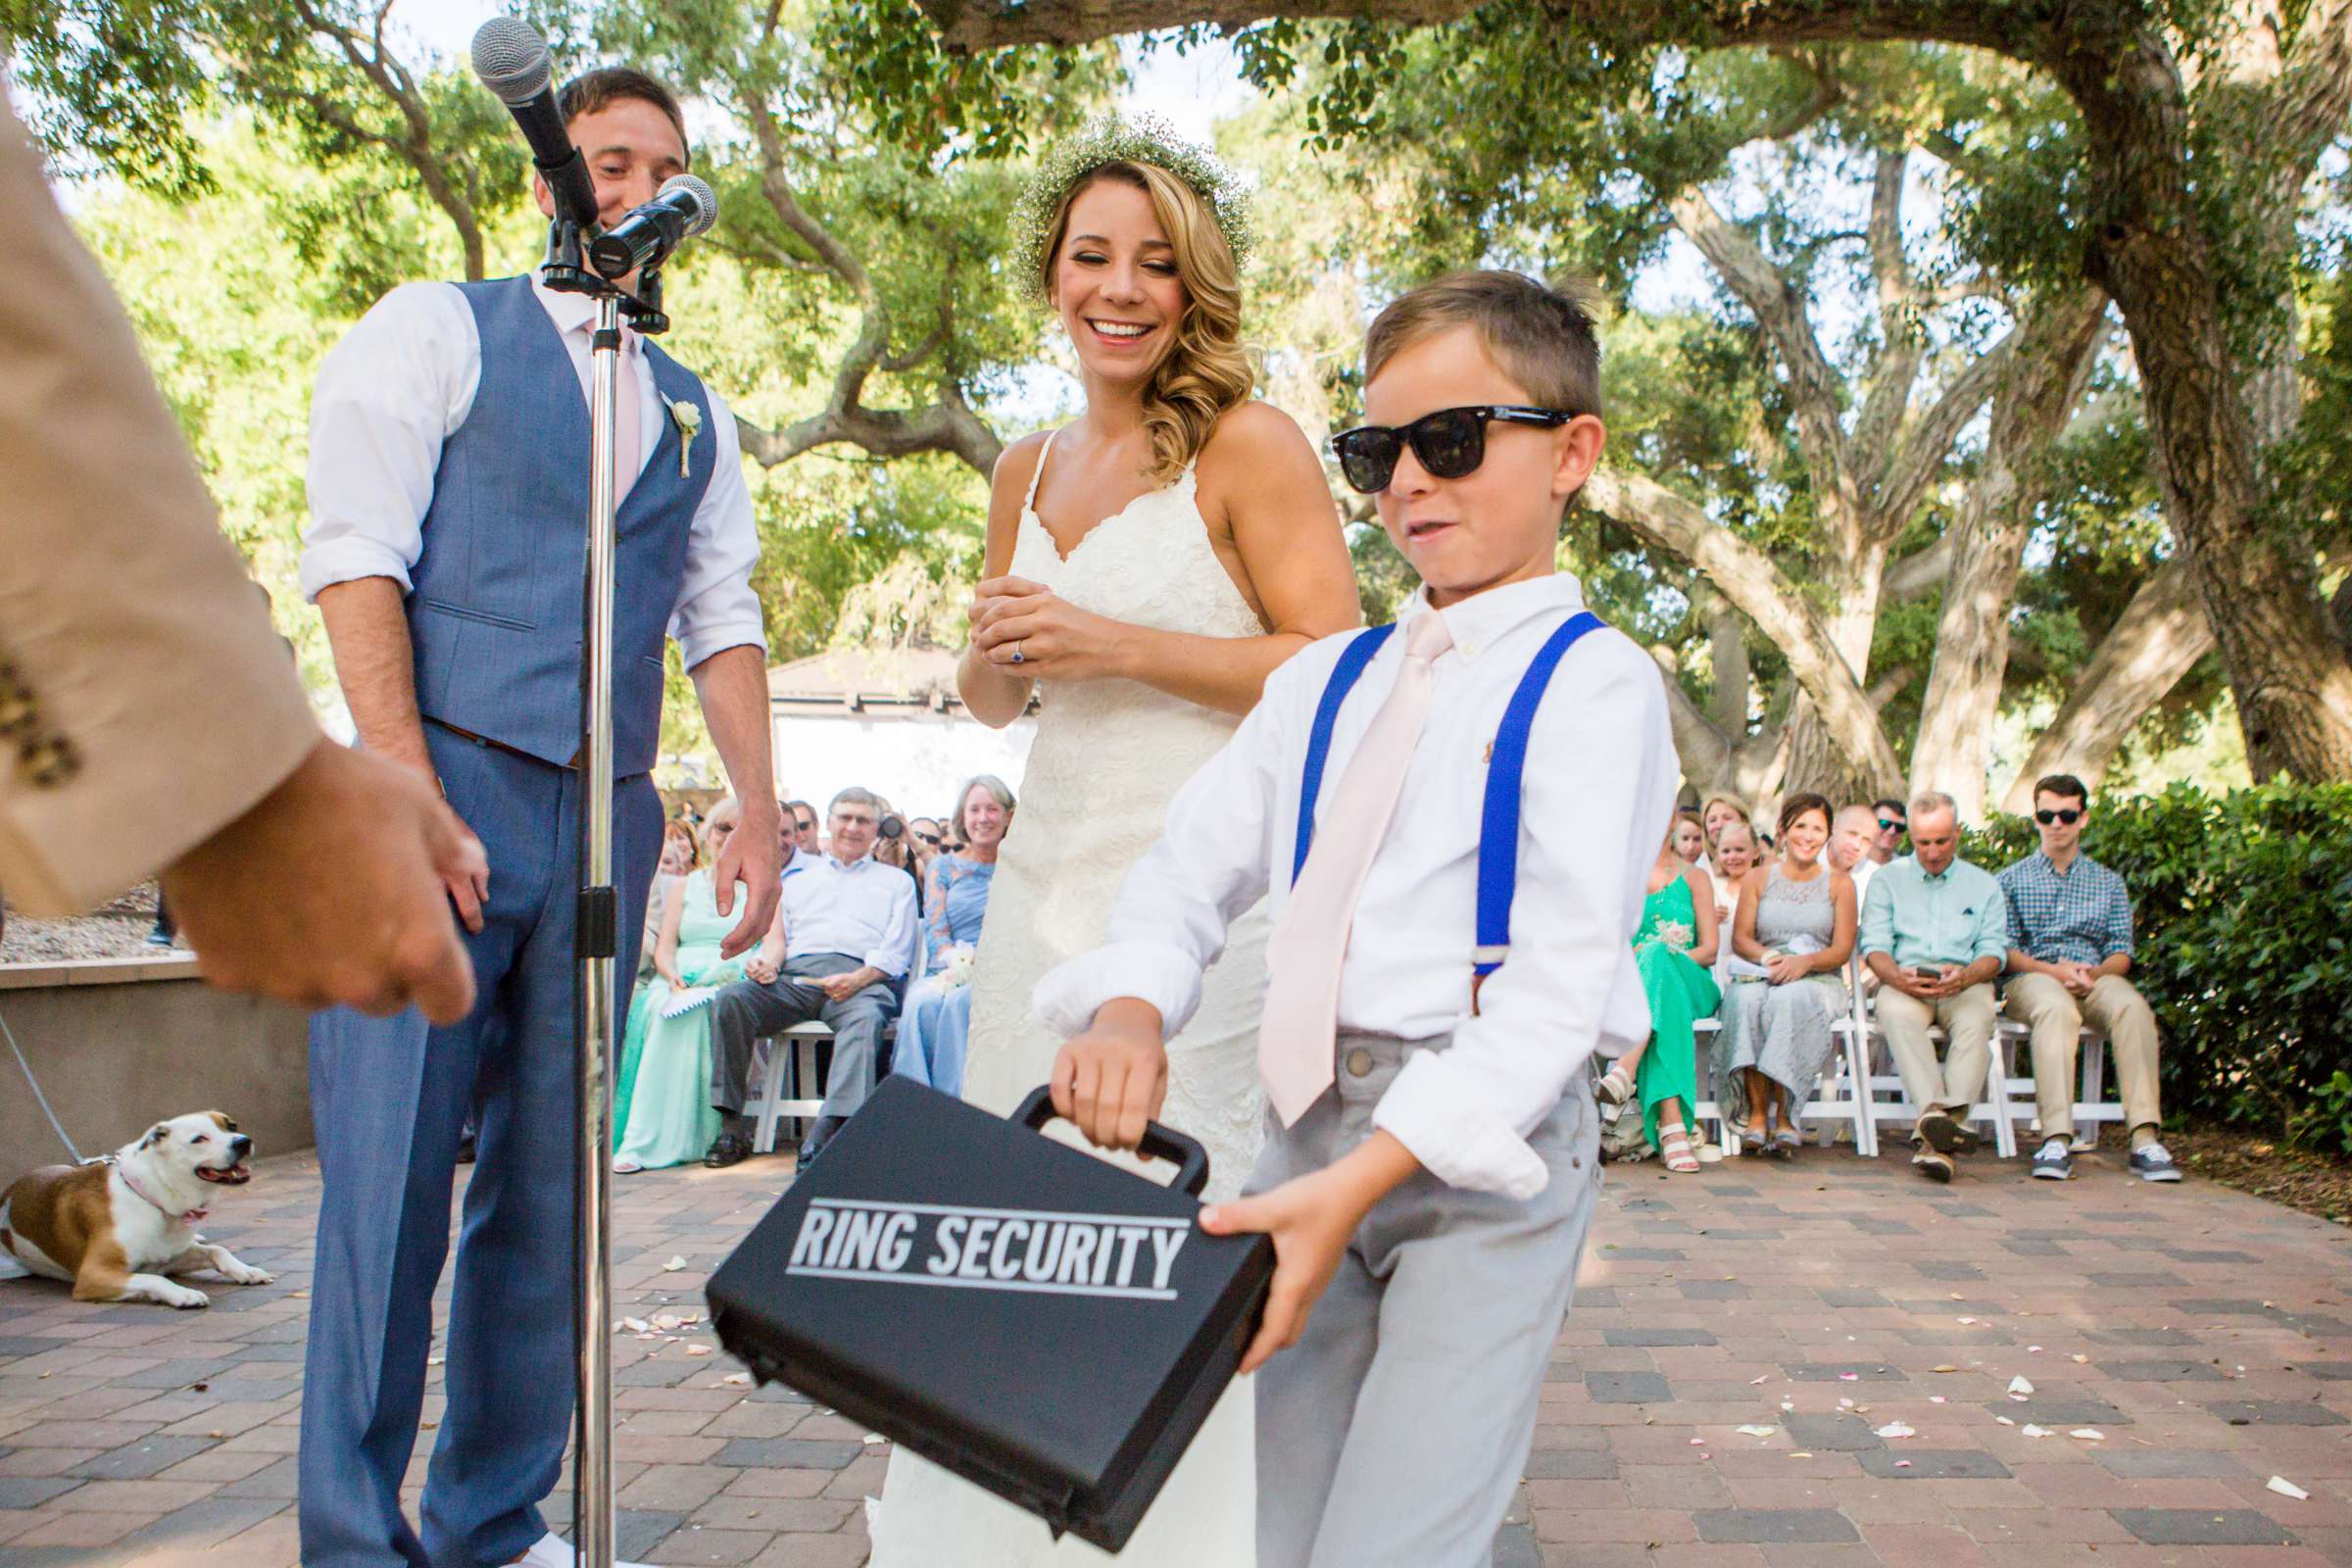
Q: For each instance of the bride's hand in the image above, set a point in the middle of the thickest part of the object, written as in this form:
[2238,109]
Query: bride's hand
[1055,639]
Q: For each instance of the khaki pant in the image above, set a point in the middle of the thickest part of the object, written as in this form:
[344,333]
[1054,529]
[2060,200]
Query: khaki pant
[2116,1009]
[1967,1021]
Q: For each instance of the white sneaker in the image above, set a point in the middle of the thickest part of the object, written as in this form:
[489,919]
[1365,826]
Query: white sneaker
[552,1550]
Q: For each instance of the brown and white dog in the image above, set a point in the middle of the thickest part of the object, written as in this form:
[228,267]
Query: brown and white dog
[115,1229]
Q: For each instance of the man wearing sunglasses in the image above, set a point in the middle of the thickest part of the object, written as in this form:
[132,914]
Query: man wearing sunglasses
[2070,927]
[1893,822]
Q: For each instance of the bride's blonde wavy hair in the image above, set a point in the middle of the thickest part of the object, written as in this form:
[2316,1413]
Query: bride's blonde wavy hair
[1205,373]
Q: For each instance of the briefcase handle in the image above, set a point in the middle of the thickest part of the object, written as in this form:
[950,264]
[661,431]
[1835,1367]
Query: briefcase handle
[1161,1143]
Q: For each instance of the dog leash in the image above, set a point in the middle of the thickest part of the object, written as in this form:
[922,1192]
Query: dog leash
[41,1099]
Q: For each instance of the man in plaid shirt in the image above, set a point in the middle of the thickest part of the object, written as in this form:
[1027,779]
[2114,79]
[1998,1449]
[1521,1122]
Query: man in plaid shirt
[2069,920]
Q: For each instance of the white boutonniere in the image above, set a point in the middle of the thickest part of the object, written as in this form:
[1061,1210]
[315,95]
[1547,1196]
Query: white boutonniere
[688,418]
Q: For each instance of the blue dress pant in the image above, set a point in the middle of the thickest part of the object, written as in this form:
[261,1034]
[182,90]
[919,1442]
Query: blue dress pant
[388,1098]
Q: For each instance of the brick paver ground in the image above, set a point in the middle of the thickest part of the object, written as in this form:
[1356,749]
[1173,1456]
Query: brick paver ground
[2183,1346]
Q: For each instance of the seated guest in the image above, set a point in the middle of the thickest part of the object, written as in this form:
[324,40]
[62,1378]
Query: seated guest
[1852,837]
[1893,822]
[1797,923]
[2069,948]
[925,837]
[844,936]
[1672,948]
[1719,812]
[937,1024]
[1735,853]
[803,826]
[1690,842]
[658,1114]
[1936,932]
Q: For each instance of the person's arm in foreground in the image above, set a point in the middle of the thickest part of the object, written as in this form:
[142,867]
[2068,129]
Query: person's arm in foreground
[134,631]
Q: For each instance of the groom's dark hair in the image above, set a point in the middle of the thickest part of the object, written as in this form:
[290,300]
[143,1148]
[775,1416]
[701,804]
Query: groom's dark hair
[592,90]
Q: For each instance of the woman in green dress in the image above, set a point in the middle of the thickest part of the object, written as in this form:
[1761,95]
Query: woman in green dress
[1674,950]
[661,1114]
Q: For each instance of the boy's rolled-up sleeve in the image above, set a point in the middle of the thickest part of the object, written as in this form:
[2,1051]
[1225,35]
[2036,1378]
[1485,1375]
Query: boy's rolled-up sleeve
[1599,789]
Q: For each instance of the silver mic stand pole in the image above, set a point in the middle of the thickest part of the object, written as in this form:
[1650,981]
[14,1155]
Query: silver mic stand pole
[596,936]
[594,1522]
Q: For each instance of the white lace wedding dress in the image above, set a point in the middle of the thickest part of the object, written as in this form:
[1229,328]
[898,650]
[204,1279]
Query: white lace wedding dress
[1109,756]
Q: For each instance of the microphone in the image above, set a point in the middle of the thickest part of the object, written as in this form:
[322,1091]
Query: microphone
[683,209]
[511,59]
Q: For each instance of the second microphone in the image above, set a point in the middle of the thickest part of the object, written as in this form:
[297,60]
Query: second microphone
[683,208]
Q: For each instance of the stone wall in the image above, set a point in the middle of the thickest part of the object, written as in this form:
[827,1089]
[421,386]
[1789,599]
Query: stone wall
[118,1044]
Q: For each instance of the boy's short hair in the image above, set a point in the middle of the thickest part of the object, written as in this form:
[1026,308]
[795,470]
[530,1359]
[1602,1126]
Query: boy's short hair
[1541,336]
[592,90]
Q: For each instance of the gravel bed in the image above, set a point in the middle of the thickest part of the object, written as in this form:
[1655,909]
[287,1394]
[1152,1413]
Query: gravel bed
[116,930]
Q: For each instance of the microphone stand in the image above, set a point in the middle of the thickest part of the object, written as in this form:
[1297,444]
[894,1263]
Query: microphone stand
[597,920]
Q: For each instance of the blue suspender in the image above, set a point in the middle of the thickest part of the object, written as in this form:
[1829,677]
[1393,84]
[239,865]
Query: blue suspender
[1498,822]
[1344,676]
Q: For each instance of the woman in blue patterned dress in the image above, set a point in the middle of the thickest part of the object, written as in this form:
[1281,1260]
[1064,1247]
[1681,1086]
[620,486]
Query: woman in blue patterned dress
[935,1028]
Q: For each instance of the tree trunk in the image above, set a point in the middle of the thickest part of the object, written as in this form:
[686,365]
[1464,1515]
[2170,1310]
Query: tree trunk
[2156,641]
[1817,761]
[2291,677]
[2037,394]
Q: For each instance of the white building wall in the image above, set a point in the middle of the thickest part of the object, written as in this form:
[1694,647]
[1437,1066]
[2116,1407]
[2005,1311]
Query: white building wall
[913,763]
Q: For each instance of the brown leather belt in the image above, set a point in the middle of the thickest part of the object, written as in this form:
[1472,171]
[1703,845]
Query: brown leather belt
[501,746]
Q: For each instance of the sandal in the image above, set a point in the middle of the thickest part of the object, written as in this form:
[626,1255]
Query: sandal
[1786,1141]
[626,1167]
[1615,1087]
[1751,1137]
[1674,1146]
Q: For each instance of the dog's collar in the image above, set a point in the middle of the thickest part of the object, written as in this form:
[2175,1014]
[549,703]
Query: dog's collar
[185,1216]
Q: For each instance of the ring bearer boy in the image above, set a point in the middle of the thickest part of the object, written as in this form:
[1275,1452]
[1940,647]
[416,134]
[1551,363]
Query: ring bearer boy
[449,490]
[1456,855]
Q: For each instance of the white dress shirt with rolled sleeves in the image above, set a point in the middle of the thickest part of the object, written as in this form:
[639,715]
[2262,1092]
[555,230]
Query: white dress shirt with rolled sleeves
[1600,785]
[403,382]
[862,907]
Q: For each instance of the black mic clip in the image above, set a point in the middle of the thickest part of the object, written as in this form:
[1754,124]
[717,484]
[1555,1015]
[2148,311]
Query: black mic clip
[564,271]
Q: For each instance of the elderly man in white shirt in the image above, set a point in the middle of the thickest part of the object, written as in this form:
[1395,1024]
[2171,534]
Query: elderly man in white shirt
[844,938]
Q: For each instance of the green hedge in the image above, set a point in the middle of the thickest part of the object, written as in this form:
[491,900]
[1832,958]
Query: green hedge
[2242,910]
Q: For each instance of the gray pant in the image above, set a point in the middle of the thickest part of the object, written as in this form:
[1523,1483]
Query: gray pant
[1393,1433]
[748,1010]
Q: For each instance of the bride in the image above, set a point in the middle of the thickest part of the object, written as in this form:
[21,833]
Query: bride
[1150,565]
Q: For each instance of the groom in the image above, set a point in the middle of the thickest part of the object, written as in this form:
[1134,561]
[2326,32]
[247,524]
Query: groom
[449,491]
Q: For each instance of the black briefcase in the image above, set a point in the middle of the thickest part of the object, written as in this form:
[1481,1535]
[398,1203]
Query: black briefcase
[1042,1323]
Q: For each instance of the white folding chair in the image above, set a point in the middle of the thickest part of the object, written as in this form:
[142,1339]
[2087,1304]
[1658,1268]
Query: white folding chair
[2090,1110]
[1993,1109]
[777,1057]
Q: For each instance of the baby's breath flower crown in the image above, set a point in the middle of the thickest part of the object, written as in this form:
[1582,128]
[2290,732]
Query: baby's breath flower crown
[1125,139]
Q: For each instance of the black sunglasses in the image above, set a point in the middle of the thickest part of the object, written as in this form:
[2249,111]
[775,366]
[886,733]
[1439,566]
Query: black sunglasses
[1450,443]
[1891,821]
[931,839]
[2069,814]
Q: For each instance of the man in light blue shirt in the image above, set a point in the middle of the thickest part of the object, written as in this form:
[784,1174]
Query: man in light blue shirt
[844,933]
[1936,932]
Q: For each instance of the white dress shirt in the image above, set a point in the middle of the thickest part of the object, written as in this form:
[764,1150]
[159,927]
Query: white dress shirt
[862,907]
[403,382]
[1599,786]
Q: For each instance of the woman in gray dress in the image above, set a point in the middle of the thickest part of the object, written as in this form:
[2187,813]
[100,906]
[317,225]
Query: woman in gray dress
[1796,920]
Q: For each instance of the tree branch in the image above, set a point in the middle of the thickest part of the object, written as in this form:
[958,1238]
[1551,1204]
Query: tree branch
[1778,307]
[1747,577]
[972,26]
[1921,454]
[1902,345]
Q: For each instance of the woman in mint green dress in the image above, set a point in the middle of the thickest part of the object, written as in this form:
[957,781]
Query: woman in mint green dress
[1673,948]
[661,1114]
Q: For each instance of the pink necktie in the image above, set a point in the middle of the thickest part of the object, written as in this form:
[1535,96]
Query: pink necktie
[628,419]
[1300,1024]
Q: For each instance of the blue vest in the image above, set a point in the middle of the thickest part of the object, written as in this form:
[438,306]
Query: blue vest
[494,608]
[1498,819]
